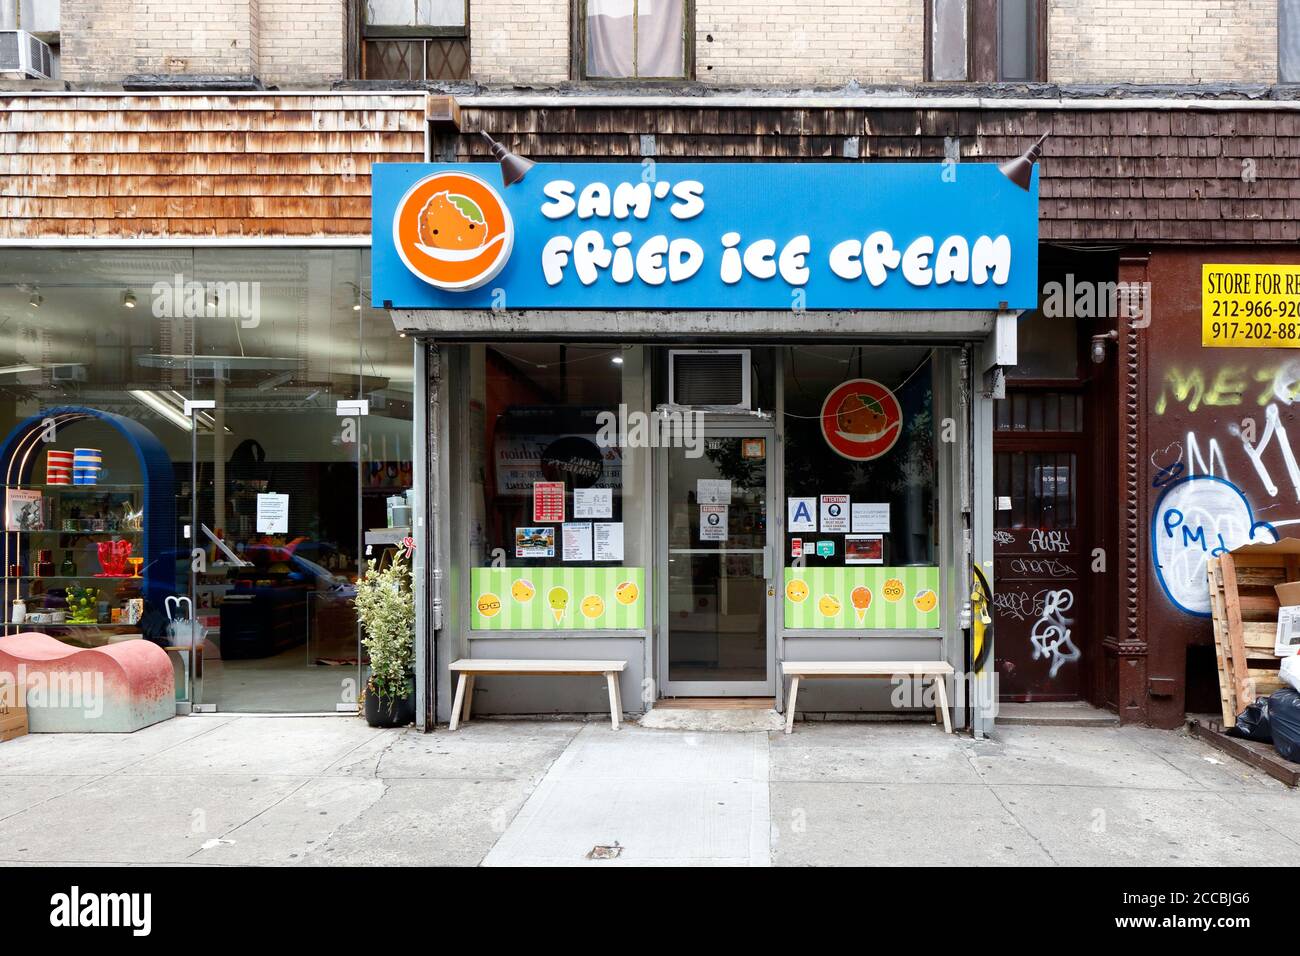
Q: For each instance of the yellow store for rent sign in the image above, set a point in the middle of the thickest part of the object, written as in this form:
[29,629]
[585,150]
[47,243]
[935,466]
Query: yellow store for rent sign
[1249,306]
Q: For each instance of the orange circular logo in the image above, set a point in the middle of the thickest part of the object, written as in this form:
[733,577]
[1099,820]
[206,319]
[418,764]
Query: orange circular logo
[453,231]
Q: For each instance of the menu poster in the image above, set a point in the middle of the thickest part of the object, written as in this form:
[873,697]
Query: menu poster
[608,540]
[713,491]
[593,503]
[534,542]
[864,549]
[871,516]
[577,541]
[548,501]
[713,522]
[835,514]
[801,514]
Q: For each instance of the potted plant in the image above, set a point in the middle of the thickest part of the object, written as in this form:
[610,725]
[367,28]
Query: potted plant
[386,609]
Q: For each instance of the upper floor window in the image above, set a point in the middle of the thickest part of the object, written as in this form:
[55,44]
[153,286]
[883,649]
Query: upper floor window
[415,40]
[634,39]
[986,41]
[1288,41]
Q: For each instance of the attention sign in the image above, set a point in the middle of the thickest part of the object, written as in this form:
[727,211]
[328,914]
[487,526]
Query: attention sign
[771,236]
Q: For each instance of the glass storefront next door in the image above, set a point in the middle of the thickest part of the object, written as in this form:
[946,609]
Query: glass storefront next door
[716,622]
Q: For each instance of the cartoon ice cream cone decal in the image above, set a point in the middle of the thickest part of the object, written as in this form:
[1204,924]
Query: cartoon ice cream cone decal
[861,600]
[558,599]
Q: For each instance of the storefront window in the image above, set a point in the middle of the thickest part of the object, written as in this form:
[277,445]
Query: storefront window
[558,494]
[860,480]
[205,385]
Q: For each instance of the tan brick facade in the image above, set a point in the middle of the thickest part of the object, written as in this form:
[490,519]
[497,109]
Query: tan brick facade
[1162,41]
[519,41]
[773,42]
[299,44]
[105,40]
[292,43]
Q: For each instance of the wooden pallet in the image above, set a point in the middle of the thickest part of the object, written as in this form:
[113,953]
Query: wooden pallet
[1244,608]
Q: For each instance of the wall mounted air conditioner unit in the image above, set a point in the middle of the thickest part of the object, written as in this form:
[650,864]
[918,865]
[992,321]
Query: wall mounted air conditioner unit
[716,378]
[25,57]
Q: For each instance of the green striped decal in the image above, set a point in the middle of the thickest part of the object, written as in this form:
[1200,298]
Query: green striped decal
[557,599]
[824,598]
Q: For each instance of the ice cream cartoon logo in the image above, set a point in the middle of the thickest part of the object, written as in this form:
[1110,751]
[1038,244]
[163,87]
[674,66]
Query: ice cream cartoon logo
[453,231]
[861,419]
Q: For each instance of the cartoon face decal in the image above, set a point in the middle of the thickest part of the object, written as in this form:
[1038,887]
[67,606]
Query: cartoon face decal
[829,605]
[489,605]
[796,591]
[558,600]
[627,593]
[451,221]
[926,601]
[893,590]
[592,606]
[860,598]
[522,590]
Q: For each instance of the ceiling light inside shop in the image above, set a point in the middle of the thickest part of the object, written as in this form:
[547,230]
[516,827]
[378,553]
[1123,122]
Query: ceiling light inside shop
[617,360]
[36,300]
[128,299]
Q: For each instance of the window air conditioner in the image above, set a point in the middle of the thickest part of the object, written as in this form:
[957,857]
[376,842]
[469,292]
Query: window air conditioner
[716,378]
[25,57]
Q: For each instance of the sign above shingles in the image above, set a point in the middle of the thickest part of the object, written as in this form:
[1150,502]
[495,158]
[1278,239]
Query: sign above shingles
[752,236]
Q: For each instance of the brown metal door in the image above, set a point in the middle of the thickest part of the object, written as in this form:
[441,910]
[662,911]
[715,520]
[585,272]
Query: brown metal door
[1042,578]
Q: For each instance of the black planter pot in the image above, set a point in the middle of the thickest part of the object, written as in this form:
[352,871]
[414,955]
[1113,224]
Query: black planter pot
[389,711]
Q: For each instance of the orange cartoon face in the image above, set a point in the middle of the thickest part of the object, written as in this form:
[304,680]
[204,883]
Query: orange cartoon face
[860,415]
[449,221]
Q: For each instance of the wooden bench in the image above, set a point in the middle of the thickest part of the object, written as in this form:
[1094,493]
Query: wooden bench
[841,670]
[469,669]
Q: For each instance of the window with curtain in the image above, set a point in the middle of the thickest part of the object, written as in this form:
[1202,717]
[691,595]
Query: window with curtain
[634,38]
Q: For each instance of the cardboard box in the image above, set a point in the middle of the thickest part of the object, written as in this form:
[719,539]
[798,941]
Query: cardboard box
[1288,595]
[13,716]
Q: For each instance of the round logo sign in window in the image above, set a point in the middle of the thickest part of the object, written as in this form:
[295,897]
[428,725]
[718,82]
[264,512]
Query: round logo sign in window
[861,419]
[453,230]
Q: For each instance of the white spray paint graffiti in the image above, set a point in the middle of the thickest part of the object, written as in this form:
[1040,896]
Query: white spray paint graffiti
[1057,542]
[1051,633]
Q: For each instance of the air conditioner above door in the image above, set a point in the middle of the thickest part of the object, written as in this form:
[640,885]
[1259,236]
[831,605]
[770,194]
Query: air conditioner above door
[714,378]
[23,56]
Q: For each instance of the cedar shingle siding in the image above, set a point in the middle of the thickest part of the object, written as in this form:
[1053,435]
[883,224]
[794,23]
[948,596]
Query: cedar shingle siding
[1125,175]
[175,166]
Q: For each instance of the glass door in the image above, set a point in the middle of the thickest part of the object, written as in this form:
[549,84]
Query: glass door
[716,590]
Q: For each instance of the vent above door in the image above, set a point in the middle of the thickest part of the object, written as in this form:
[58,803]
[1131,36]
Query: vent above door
[716,378]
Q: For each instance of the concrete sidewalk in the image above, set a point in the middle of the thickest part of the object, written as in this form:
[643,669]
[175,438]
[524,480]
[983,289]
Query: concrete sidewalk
[223,790]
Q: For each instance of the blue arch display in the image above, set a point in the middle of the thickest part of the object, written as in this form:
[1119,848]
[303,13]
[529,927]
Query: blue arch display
[159,569]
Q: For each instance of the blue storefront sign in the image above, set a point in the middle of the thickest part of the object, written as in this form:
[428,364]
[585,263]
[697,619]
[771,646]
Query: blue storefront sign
[726,236]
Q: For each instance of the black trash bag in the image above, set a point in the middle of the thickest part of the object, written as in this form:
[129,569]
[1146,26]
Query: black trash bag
[1253,722]
[1284,719]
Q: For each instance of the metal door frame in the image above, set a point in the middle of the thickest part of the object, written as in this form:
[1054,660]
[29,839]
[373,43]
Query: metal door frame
[716,426]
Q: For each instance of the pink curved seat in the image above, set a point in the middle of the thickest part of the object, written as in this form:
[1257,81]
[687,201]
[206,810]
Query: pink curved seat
[118,688]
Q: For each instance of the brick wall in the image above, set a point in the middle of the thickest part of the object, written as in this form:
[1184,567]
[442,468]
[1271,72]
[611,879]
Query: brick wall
[105,40]
[1162,41]
[773,41]
[290,43]
[519,41]
[301,42]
